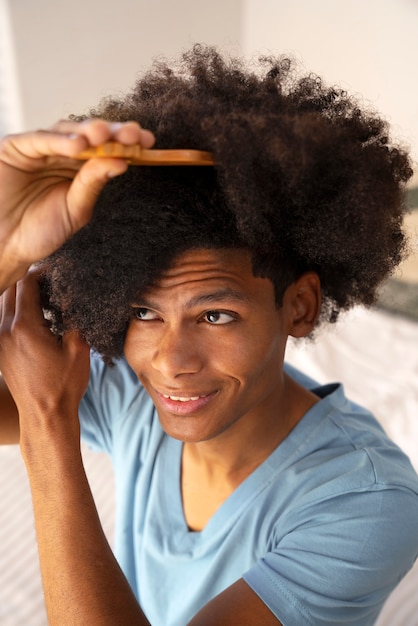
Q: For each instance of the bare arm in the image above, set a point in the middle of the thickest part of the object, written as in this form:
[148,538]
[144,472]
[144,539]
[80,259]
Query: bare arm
[83,583]
[45,195]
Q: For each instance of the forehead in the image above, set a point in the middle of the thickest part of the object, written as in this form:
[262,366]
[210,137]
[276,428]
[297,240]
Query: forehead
[224,270]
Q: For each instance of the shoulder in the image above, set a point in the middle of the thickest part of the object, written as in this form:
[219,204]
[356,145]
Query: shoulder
[347,441]
[342,511]
[341,474]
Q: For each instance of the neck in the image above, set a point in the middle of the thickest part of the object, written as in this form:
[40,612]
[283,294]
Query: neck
[236,452]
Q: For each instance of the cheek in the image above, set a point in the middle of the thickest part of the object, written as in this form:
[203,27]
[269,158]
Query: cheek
[266,360]
[253,356]
[134,348]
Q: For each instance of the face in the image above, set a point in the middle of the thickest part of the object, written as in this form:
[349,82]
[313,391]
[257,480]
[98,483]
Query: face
[208,345]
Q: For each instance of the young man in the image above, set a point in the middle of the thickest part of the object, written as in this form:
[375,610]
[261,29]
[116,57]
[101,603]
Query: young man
[246,493]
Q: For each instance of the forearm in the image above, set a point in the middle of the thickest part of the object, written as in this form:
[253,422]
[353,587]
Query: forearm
[47,377]
[82,581]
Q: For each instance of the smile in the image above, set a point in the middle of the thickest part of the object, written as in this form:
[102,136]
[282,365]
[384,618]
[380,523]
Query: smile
[183,403]
[183,398]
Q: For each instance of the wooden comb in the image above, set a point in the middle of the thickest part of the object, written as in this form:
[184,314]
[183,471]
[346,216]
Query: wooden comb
[135,155]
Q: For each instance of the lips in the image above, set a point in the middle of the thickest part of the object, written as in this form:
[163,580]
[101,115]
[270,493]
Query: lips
[184,403]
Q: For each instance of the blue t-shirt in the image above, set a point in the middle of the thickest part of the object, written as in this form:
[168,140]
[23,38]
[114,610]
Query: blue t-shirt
[322,530]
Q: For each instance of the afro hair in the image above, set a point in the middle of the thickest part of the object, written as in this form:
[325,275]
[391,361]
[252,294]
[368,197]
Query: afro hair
[305,179]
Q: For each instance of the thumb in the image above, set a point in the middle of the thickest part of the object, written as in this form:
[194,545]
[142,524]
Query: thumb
[87,186]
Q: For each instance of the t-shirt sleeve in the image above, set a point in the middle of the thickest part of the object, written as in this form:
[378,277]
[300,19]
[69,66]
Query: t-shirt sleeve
[109,396]
[341,559]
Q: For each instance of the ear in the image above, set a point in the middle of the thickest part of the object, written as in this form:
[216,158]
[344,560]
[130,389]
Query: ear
[302,300]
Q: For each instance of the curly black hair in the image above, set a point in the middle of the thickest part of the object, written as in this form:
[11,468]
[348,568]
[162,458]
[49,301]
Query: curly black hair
[305,179]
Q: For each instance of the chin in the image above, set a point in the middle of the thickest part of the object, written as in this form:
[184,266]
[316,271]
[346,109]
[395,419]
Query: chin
[186,429]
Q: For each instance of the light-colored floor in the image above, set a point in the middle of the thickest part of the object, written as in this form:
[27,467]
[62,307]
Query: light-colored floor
[375,353]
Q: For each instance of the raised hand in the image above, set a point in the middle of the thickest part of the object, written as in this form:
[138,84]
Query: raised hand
[46,194]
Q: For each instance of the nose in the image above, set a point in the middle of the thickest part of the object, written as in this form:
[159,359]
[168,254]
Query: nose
[177,352]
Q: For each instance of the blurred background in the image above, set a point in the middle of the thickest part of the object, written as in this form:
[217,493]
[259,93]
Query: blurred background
[59,58]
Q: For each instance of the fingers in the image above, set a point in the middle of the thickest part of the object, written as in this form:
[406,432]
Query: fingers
[95,173]
[86,187]
[22,302]
[43,151]
[98,131]
[67,138]
[26,149]
[28,298]
[21,308]
[92,177]
[29,316]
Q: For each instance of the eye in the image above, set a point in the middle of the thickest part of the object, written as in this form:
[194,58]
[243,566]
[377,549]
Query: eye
[219,317]
[143,314]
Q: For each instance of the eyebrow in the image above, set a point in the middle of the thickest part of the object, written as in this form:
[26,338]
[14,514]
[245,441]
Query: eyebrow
[216,296]
[213,297]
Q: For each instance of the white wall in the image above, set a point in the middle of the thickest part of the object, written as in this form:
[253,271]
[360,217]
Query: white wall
[70,54]
[369,47]
[10,102]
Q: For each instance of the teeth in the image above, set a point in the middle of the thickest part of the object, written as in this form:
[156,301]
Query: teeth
[181,399]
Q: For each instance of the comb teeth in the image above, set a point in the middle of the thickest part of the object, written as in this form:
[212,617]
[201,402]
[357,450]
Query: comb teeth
[135,155]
